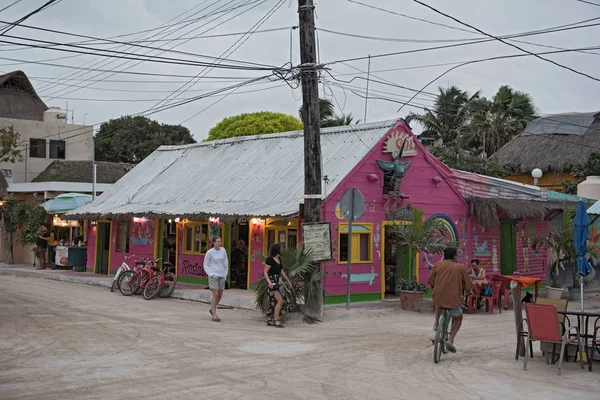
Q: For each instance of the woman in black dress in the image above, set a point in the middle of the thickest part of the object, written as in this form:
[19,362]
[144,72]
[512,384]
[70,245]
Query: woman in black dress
[273,274]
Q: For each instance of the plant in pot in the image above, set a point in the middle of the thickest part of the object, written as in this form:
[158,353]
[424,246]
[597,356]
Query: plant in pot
[560,242]
[305,276]
[418,236]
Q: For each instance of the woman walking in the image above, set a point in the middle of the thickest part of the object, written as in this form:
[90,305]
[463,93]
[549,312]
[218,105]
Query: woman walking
[273,274]
[216,266]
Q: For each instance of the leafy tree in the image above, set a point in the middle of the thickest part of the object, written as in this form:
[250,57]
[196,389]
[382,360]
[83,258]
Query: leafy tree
[131,139]
[495,122]
[590,168]
[9,151]
[449,118]
[20,225]
[257,123]
[569,187]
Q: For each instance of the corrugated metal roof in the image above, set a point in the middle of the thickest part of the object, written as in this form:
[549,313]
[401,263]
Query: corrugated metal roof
[249,176]
[559,196]
[561,124]
[487,187]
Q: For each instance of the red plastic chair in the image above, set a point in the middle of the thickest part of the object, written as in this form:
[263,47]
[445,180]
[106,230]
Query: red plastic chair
[542,325]
[494,299]
[473,299]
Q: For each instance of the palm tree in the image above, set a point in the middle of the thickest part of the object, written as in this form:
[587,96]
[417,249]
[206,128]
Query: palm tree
[305,276]
[449,117]
[561,242]
[328,116]
[339,120]
[495,122]
[421,236]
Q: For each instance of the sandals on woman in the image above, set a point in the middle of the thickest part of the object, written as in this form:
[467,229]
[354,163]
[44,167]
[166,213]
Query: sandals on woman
[214,317]
[278,324]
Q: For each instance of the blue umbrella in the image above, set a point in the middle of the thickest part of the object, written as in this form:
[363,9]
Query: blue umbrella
[582,231]
[66,202]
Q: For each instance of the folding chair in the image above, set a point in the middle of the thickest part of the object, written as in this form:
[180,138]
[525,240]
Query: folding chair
[542,325]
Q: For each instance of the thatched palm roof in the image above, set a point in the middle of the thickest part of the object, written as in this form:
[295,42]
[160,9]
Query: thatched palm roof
[81,171]
[552,146]
[18,98]
[488,211]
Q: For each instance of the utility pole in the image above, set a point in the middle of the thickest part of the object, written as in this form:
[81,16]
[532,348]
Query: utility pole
[93,165]
[312,123]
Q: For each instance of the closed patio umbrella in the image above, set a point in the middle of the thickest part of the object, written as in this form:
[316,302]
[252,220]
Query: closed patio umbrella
[582,231]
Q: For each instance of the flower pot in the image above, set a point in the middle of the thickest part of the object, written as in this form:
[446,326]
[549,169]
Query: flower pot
[553,293]
[411,301]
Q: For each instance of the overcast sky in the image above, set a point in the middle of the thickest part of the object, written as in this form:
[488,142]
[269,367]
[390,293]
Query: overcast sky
[108,96]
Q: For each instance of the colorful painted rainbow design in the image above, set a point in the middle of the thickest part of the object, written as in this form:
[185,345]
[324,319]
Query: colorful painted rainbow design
[451,234]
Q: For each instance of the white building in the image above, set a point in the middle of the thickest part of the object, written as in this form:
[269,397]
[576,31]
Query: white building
[44,134]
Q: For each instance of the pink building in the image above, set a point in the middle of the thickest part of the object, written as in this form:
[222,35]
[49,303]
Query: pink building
[249,191]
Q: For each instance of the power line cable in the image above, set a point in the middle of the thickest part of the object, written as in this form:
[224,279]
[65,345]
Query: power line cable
[588,2]
[37,10]
[236,45]
[397,53]
[101,62]
[179,44]
[507,43]
[11,4]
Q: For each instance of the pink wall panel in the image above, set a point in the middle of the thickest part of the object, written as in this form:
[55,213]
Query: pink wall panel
[141,242]
[91,248]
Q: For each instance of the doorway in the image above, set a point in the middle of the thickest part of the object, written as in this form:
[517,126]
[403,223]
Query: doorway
[394,260]
[239,254]
[103,231]
[169,243]
[508,248]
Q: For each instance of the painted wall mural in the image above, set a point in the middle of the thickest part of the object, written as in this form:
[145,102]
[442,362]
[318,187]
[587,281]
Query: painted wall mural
[365,277]
[450,233]
[142,231]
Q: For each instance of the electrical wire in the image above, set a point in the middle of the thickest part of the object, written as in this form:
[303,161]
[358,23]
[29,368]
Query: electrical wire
[398,53]
[11,4]
[37,10]
[588,2]
[507,43]
[247,2]
[229,51]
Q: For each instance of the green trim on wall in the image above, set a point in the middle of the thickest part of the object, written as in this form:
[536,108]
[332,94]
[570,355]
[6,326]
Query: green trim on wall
[354,298]
[253,287]
[193,279]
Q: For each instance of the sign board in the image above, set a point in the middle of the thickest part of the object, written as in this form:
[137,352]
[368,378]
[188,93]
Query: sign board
[317,238]
[62,256]
[352,205]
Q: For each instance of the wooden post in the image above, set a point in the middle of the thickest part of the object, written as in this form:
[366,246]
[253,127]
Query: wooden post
[518,307]
[312,124]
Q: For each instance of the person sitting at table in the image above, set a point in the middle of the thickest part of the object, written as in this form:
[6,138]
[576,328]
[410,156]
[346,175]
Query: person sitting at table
[476,271]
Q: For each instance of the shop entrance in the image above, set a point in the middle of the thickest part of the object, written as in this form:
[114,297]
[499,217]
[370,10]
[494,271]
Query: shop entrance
[169,243]
[393,260]
[240,233]
[102,247]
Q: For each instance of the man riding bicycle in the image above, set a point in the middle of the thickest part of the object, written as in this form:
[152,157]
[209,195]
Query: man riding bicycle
[448,281]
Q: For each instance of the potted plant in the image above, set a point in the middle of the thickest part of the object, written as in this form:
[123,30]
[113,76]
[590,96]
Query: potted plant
[411,294]
[306,278]
[561,243]
[418,236]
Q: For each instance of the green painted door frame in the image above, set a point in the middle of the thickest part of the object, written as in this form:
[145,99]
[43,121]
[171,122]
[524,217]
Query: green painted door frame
[508,248]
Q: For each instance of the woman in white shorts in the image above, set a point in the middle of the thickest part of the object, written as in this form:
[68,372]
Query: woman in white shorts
[216,266]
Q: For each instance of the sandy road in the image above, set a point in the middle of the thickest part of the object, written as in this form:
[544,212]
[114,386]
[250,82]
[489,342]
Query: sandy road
[68,341]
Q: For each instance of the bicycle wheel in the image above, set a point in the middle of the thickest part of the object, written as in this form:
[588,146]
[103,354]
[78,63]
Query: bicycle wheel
[438,346]
[169,286]
[446,334]
[128,283]
[152,288]
[143,279]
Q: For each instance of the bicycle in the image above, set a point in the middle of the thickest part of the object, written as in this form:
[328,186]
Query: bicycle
[441,335]
[125,267]
[162,284]
[134,282]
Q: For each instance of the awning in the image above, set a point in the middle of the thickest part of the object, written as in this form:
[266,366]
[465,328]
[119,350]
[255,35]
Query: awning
[488,211]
